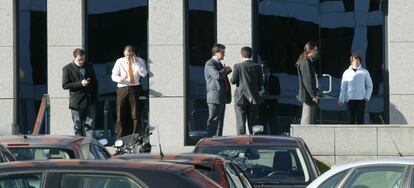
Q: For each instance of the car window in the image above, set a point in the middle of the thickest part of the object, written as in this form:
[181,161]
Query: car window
[334,180]
[25,154]
[27,180]
[266,164]
[98,152]
[242,176]
[378,177]
[71,180]
[233,177]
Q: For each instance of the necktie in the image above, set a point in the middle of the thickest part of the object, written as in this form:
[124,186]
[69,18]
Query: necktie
[131,73]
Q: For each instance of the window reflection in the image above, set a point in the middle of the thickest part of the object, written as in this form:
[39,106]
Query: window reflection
[200,37]
[32,60]
[111,25]
[340,27]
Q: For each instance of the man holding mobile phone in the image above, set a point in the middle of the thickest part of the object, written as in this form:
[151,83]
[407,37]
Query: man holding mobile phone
[80,79]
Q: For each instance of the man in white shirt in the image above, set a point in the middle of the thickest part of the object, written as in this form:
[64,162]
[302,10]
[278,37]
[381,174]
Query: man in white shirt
[127,73]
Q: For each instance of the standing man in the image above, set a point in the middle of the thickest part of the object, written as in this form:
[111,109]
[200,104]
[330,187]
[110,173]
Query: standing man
[127,73]
[218,90]
[268,108]
[79,78]
[308,92]
[247,77]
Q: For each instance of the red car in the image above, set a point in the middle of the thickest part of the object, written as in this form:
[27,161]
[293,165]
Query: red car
[100,174]
[44,147]
[218,168]
[268,161]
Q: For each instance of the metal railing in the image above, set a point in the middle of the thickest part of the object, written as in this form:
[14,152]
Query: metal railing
[43,114]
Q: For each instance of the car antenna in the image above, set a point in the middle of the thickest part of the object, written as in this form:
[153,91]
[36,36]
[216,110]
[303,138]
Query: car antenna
[392,140]
[159,143]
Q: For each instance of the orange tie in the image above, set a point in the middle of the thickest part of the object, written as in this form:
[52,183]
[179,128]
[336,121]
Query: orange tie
[131,73]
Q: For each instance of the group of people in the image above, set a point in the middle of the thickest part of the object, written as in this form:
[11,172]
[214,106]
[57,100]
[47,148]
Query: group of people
[248,77]
[80,79]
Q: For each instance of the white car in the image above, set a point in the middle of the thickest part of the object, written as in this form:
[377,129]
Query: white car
[383,173]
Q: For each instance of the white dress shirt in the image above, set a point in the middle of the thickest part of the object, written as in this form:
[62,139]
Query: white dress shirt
[120,70]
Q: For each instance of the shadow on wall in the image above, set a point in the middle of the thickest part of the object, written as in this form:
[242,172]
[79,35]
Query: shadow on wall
[152,92]
[396,117]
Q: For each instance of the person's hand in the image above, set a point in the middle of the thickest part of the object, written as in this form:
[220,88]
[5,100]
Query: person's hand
[85,82]
[366,100]
[315,99]
[340,103]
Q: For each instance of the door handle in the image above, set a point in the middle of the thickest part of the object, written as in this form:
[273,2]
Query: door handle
[330,83]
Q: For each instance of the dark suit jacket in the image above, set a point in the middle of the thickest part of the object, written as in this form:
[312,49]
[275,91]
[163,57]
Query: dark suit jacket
[80,97]
[270,87]
[307,82]
[216,79]
[247,76]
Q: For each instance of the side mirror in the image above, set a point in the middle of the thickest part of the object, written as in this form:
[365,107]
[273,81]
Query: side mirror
[119,143]
[103,141]
[258,129]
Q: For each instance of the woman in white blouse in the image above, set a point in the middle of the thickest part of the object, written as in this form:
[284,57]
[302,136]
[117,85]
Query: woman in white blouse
[356,89]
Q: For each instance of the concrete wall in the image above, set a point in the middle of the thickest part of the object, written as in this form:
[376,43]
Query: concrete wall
[65,33]
[7,71]
[335,144]
[400,50]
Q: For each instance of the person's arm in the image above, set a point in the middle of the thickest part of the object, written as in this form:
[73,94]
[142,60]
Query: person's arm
[344,88]
[368,86]
[214,73]
[235,76]
[142,69]
[116,72]
[308,78]
[67,82]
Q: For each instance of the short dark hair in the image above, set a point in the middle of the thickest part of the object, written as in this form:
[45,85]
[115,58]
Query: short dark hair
[246,52]
[356,56]
[217,48]
[78,51]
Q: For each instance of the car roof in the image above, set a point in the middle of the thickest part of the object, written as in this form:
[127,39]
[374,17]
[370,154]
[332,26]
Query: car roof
[386,161]
[96,164]
[197,159]
[41,140]
[251,140]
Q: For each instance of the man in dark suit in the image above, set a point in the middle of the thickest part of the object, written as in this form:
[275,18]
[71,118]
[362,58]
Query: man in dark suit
[218,90]
[79,78]
[247,76]
[268,108]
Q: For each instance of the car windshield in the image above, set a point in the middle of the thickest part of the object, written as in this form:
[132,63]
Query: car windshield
[25,154]
[266,165]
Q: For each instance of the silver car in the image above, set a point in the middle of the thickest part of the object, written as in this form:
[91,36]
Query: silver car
[383,173]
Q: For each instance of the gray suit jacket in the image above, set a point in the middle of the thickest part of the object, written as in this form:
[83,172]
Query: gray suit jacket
[307,82]
[247,76]
[215,82]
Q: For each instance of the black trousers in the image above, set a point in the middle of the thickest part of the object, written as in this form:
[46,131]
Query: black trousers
[356,110]
[215,119]
[125,95]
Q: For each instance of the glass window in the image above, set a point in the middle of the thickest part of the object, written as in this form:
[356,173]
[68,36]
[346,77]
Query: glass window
[378,177]
[97,181]
[200,37]
[110,26]
[98,152]
[232,176]
[27,180]
[283,28]
[334,180]
[31,61]
[267,165]
[242,176]
[25,154]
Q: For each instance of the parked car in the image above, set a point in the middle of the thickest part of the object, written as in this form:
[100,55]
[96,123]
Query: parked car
[5,155]
[218,168]
[268,161]
[383,173]
[100,174]
[44,147]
